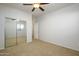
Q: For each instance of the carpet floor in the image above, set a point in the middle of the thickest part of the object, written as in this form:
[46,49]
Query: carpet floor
[38,48]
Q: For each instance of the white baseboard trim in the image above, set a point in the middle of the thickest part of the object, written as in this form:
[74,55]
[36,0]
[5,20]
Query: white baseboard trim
[59,45]
[1,48]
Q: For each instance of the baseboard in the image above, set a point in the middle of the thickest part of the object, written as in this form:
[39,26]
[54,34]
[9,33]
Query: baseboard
[35,39]
[1,48]
[59,45]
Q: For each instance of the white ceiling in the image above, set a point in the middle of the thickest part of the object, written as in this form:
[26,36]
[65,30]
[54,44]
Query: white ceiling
[49,7]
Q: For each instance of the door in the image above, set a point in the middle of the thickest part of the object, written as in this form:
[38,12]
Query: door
[10,32]
[21,32]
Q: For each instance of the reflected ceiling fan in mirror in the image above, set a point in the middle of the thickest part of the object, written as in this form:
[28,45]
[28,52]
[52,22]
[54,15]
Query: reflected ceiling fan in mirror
[36,5]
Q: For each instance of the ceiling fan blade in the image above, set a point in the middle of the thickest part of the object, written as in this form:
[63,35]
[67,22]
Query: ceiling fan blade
[27,4]
[41,8]
[33,9]
[43,3]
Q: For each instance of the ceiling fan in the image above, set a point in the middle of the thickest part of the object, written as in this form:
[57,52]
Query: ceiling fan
[36,5]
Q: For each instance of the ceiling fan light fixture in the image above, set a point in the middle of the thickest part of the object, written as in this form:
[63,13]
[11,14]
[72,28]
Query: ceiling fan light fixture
[36,5]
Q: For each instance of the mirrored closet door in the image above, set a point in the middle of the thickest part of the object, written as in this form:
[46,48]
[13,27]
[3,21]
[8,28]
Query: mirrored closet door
[15,32]
[21,32]
[10,32]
